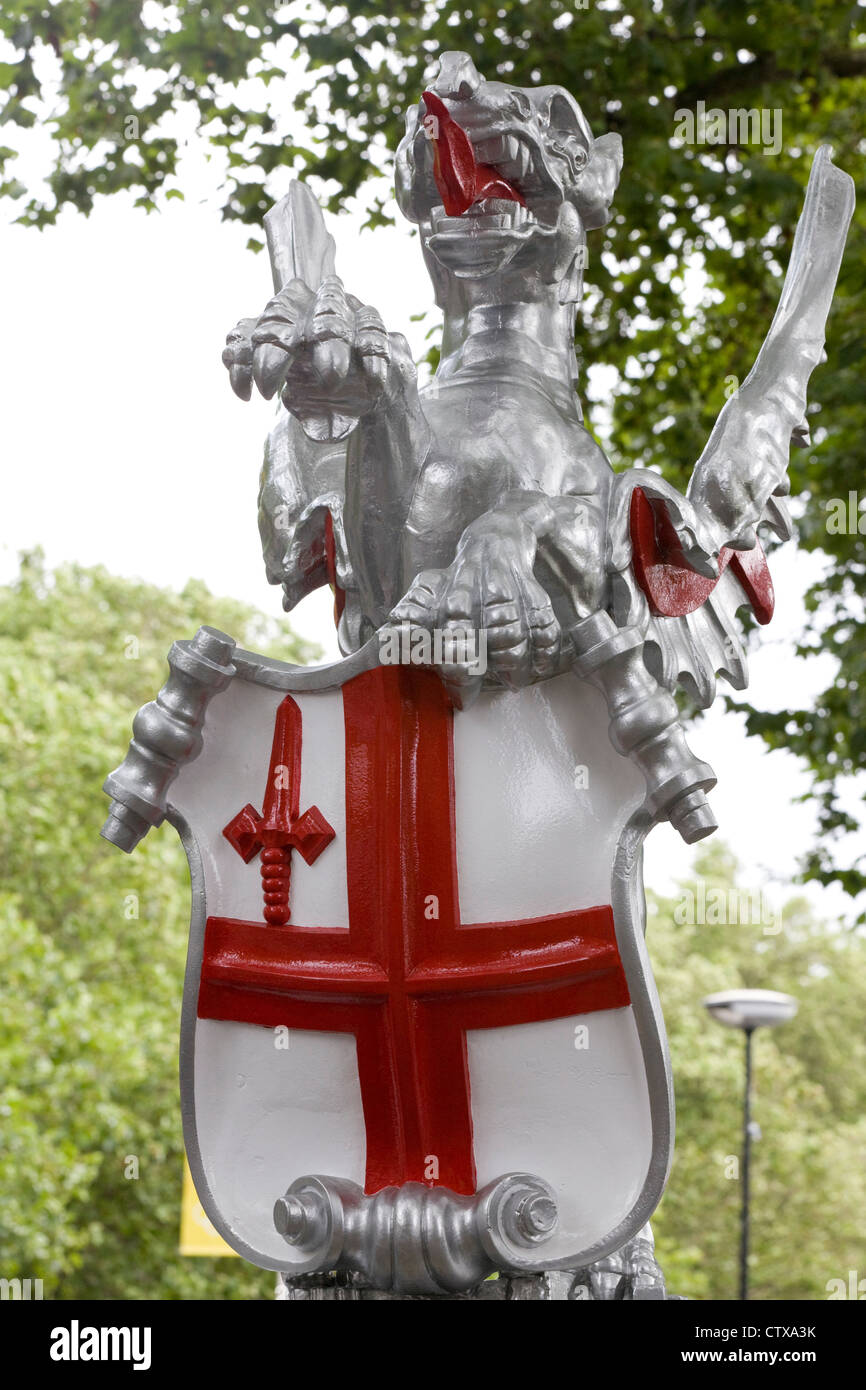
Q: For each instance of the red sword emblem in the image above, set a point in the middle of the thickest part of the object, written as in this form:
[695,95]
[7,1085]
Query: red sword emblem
[280,829]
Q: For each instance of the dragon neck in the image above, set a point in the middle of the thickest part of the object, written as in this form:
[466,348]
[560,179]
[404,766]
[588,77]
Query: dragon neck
[533,339]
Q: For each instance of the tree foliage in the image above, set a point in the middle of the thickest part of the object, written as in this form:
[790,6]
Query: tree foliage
[808,1182]
[323,90]
[92,945]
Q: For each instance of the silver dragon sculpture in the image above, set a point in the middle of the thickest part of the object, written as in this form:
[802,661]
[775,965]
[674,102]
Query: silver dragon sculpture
[481,501]
[481,504]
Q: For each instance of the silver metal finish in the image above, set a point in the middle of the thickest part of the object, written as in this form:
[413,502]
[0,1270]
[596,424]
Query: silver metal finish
[481,501]
[281,675]
[645,724]
[742,474]
[415,1239]
[631,1274]
[166,734]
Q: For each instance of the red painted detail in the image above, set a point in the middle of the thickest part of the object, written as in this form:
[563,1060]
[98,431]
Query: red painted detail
[460,180]
[408,985]
[669,582]
[331,563]
[753,572]
[280,829]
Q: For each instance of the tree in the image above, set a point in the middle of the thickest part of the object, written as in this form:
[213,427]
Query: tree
[107,79]
[808,1175]
[92,945]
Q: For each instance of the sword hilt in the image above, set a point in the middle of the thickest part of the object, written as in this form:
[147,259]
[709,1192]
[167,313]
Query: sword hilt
[278,829]
[276,867]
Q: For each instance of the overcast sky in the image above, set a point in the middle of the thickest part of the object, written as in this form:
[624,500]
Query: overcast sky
[123,445]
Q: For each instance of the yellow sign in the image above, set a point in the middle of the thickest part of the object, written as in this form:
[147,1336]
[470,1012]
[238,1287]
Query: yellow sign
[197,1235]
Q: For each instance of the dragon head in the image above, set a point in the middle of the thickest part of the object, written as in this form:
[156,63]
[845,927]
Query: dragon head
[500,176]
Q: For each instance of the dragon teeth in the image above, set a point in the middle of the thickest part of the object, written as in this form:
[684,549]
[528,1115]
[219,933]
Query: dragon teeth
[493,205]
[512,147]
[498,149]
[488,214]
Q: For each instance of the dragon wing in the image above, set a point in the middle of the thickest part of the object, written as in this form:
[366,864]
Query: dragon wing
[682,567]
[688,618]
[742,473]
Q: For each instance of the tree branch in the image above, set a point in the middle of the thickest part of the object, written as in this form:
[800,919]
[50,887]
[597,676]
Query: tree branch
[842,63]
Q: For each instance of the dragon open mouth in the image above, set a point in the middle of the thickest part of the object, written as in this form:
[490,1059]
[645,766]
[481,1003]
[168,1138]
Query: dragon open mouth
[461,180]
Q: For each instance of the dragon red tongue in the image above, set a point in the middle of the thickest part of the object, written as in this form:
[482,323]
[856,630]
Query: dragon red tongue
[460,180]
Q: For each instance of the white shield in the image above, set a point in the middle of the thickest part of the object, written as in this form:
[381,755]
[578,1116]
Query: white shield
[462,989]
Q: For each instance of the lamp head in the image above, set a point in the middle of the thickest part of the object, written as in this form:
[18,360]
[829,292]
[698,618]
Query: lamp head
[750,1008]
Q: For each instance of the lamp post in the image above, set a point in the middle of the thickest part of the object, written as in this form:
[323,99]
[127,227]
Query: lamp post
[749,1009]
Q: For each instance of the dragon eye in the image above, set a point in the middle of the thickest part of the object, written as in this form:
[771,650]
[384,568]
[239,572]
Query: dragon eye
[573,152]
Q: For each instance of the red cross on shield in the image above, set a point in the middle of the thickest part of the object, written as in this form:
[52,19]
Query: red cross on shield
[408,979]
[450,990]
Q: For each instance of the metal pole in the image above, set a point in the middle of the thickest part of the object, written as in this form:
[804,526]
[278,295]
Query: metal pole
[747,1153]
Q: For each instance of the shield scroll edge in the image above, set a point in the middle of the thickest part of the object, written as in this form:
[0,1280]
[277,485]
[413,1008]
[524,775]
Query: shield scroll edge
[629,912]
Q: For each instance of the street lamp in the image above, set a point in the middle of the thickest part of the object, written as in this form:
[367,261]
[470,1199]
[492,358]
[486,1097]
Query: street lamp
[749,1009]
